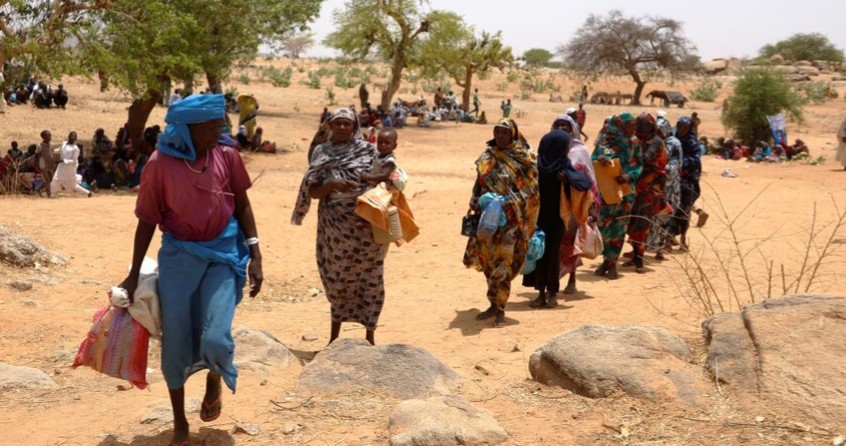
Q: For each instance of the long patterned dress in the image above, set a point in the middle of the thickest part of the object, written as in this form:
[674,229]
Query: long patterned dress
[672,193]
[349,261]
[614,144]
[649,199]
[513,174]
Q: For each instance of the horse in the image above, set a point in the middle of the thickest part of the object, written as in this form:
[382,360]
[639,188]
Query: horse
[667,97]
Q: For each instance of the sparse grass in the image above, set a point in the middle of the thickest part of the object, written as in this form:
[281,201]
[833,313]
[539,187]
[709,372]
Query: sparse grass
[277,78]
[706,91]
[244,78]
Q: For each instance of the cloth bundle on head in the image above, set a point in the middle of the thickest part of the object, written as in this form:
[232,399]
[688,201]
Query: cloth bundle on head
[176,141]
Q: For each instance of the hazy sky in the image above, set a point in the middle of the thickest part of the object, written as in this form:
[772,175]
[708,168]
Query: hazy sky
[718,28]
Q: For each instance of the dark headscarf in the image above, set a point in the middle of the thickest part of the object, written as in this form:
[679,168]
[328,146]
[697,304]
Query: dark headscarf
[689,142]
[553,159]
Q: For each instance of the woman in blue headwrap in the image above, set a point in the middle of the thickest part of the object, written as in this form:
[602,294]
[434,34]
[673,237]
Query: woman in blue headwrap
[691,170]
[196,192]
[616,144]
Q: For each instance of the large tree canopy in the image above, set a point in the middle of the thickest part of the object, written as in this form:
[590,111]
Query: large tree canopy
[759,93]
[804,47]
[615,44]
[35,31]
[455,48]
[537,57]
[144,46]
[390,30]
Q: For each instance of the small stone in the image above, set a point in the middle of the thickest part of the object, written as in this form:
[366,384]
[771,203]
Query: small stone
[759,419]
[21,285]
[32,303]
[839,441]
[291,429]
[246,428]
[57,371]
[309,337]
[263,382]
[218,438]
[313,292]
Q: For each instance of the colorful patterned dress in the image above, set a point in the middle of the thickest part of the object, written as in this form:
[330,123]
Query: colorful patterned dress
[511,173]
[614,144]
[649,199]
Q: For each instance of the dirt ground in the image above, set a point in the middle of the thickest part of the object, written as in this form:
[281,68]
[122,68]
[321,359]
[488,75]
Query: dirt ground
[431,298]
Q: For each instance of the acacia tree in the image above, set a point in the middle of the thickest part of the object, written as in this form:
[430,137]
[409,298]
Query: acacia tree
[234,30]
[191,38]
[297,43]
[800,46]
[614,44]
[35,30]
[455,48]
[537,57]
[390,30]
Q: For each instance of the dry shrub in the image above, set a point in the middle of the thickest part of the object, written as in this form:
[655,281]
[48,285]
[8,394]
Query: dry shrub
[721,274]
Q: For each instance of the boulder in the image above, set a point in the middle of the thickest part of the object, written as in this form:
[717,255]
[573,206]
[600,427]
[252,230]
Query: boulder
[789,351]
[596,361]
[777,59]
[803,63]
[443,421]
[14,377]
[715,66]
[21,285]
[735,65]
[786,69]
[810,71]
[257,350]
[22,252]
[401,370]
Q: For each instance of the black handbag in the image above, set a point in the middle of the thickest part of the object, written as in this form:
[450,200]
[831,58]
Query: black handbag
[469,224]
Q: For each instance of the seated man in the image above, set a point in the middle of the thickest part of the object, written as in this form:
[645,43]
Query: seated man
[798,148]
[60,97]
[14,152]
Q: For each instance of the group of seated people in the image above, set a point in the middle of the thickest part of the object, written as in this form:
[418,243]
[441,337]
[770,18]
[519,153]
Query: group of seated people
[107,165]
[762,151]
[39,93]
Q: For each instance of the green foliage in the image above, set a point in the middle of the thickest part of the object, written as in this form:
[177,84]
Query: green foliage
[330,96]
[313,80]
[816,92]
[278,78]
[389,30]
[244,78]
[759,93]
[501,86]
[706,91]
[800,46]
[323,72]
[524,94]
[511,77]
[537,57]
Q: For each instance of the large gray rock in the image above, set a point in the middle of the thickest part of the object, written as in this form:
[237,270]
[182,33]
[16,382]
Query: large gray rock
[443,421]
[21,251]
[14,377]
[809,71]
[790,351]
[258,350]
[715,66]
[786,69]
[596,361]
[401,370]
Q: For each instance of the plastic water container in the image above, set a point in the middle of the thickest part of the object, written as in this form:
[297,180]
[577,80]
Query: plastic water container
[395,228]
[489,221]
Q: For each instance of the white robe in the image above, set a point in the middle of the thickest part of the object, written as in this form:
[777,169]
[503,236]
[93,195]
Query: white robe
[66,176]
[841,148]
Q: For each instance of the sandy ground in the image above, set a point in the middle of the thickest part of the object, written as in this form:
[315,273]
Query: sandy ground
[431,298]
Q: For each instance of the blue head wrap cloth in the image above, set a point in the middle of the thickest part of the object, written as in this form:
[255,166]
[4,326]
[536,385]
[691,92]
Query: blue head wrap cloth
[175,141]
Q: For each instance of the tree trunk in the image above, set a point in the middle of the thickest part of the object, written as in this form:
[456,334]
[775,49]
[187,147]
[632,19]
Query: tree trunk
[639,88]
[393,85]
[468,86]
[139,112]
[214,83]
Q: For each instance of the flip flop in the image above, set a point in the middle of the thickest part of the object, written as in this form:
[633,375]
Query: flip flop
[209,408]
